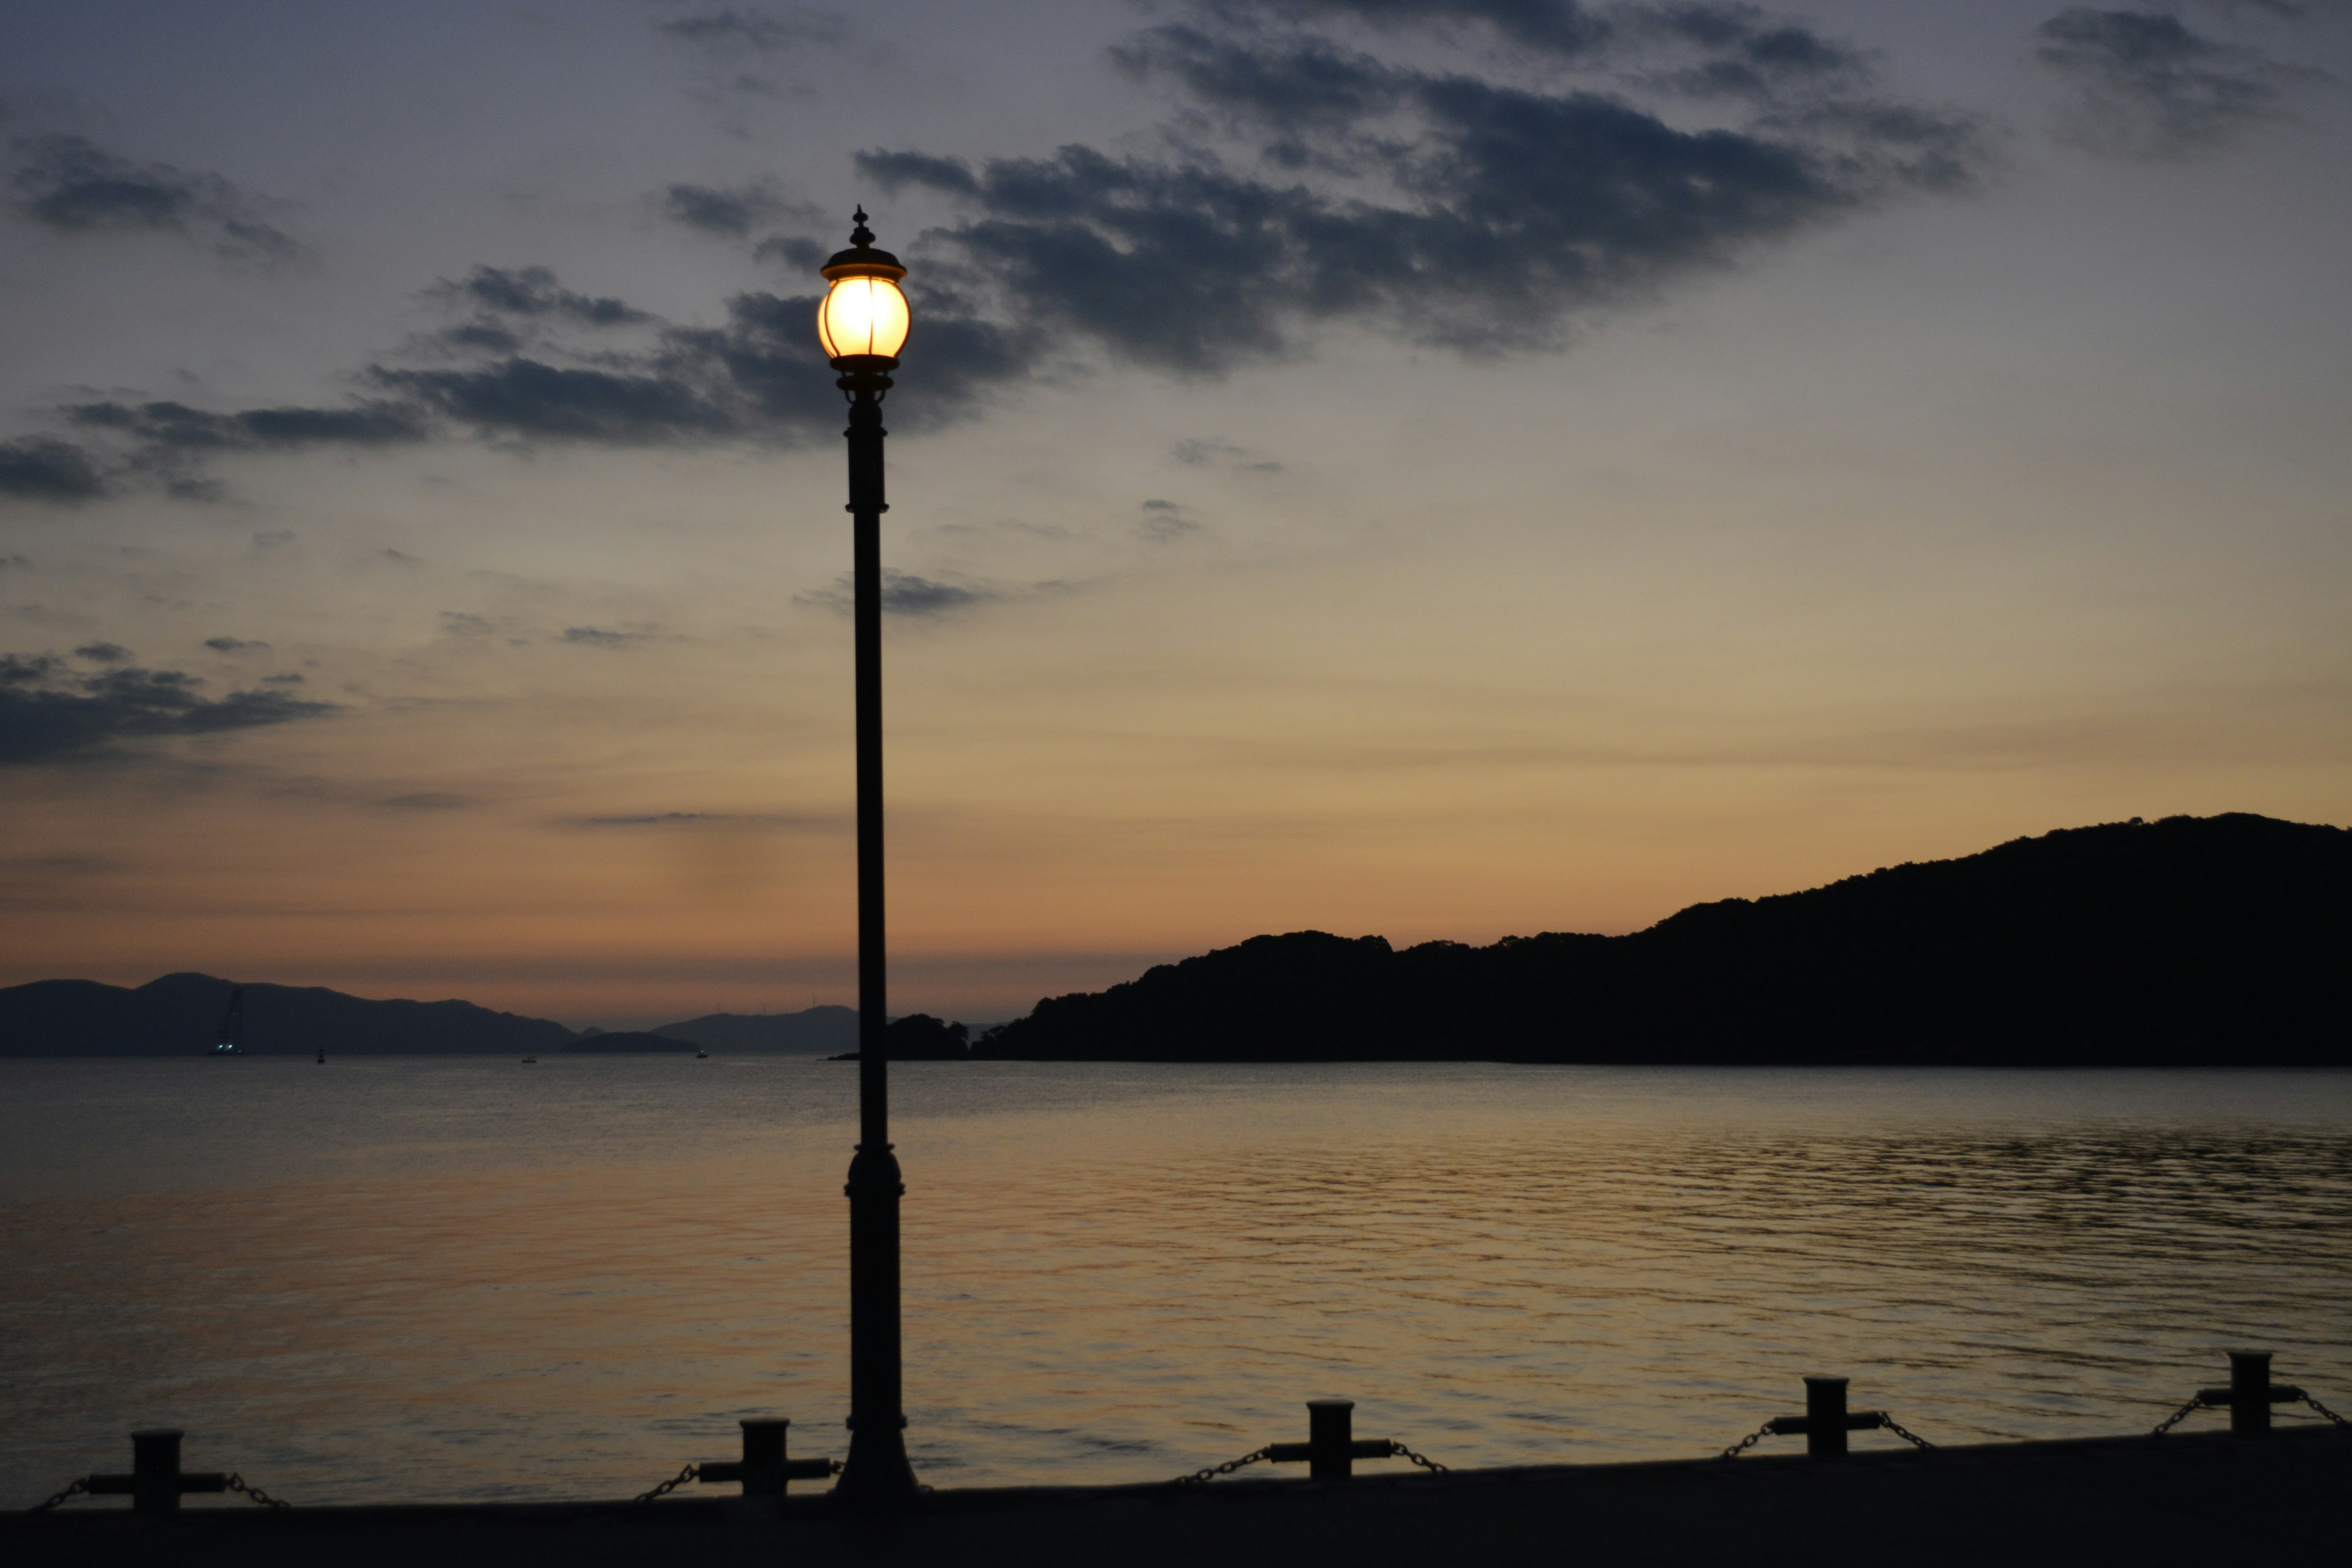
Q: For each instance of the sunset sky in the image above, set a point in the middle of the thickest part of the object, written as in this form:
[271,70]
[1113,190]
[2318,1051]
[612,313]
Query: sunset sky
[1379,466]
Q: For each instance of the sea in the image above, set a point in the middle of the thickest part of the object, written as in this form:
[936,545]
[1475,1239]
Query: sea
[391,1278]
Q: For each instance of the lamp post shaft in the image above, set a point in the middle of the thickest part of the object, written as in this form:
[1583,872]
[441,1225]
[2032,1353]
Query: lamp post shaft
[876,1471]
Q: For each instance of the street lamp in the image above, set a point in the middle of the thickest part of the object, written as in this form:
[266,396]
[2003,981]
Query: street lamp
[862,323]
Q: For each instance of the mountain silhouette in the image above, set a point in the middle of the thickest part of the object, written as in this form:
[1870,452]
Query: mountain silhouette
[177,1015]
[816,1031]
[2211,941]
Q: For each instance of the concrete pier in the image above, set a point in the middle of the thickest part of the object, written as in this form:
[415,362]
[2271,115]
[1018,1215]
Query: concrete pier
[2202,1498]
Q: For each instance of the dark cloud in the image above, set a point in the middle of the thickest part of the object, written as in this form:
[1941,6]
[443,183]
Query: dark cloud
[47,712]
[1164,521]
[528,400]
[790,250]
[734,211]
[288,678]
[71,185]
[235,645]
[766,30]
[2149,87]
[601,636]
[533,292]
[175,428]
[904,594]
[1554,27]
[1199,452]
[1490,215]
[40,469]
[103,653]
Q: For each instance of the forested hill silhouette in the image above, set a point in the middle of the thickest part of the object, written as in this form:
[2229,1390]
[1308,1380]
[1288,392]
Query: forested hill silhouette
[177,1015]
[2191,941]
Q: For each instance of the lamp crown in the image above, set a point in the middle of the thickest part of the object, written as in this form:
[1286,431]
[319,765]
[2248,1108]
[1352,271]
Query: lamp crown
[861,259]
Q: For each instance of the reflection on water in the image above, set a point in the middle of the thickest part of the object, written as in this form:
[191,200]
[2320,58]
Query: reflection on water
[470,1280]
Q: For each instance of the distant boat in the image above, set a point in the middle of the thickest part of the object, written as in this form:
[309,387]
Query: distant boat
[531,1062]
[322,1055]
[229,1040]
[702,1056]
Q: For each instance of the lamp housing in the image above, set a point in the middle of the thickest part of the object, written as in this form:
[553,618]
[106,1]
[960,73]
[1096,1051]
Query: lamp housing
[863,320]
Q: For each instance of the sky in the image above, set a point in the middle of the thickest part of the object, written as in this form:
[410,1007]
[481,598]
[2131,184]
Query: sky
[1438,470]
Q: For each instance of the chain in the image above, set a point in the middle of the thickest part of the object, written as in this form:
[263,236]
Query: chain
[1401,1451]
[1748,1442]
[2325,1411]
[670,1485]
[1911,1438]
[2197,1401]
[1203,1478]
[77,1490]
[237,1483]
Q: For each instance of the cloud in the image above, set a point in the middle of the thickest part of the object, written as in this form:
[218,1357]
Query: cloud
[103,653]
[47,713]
[288,678]
[1479,217]
[235,645]
[176,427]
[428,800]
[534,292]
[600,637]
[761,29]
[70,185]
[1554,26]
[40,469]
[1206,452]
[1164,522]
[905,594]
[2149,87]
[732,211]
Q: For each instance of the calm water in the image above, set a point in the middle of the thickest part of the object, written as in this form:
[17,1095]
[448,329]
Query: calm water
[438,1279]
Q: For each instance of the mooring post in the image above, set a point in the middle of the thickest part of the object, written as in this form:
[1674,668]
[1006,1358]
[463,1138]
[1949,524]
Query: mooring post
[766,1469]
[2250,1393]
[1332,1447]
[1330,1439]
[156,1480]
[1825,1422]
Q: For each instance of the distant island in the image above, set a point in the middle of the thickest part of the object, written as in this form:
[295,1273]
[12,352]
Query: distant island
[2222,941]
[178,1014]
[2217,940]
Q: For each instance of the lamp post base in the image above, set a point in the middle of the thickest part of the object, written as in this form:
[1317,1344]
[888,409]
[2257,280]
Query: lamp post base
[875,1474]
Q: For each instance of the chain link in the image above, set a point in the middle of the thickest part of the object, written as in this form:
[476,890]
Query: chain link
[238,1483]
[1907,1435]
[2325,1411]
[671,1485]
[1203,1478]
[2196,1403]
[1400,1451]
[76,1488]
[1748,1442]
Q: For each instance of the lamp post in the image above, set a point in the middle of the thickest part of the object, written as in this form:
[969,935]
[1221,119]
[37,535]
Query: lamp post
[862,323]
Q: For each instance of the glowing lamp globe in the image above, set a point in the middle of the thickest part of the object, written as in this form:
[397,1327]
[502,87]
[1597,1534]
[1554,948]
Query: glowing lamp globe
[862,321]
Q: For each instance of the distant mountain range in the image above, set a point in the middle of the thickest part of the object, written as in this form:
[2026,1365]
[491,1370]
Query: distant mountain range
[178,1014]
[2213,941]
[2192,941]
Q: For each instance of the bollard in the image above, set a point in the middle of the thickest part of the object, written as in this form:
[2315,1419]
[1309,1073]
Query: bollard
[764,1470]
[1330,1437]
[1332,1447]
[1825,1417]
[1826,1420]
[2250,1393]
[156,1482]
